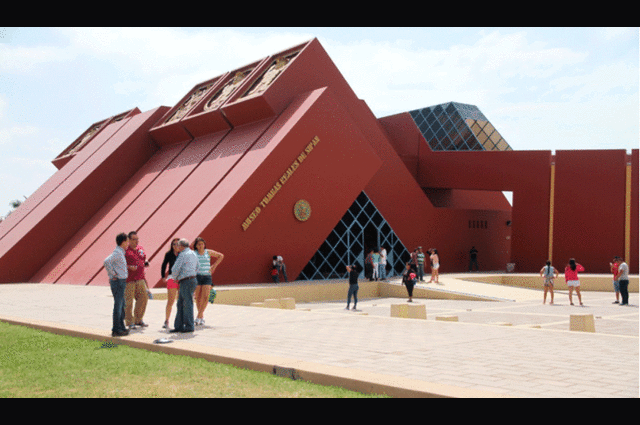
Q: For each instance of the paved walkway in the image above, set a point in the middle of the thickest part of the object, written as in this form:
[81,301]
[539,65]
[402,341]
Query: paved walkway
[367,350]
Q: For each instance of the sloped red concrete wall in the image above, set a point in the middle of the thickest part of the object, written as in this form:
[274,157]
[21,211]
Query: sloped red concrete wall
[337,165]
[73,195]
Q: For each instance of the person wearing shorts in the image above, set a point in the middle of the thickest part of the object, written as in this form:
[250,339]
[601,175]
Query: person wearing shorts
[571,277]
[172,285]
[548,273]
[435,265]
[204,275]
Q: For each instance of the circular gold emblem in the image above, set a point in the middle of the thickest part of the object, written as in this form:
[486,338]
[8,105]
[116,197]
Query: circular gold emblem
[302,210]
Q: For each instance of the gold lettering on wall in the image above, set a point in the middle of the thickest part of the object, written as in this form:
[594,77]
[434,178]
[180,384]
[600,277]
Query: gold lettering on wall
[284,178]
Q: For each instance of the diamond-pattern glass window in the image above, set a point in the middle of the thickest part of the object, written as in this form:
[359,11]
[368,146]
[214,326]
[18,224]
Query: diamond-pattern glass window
[361,228]
[457,126]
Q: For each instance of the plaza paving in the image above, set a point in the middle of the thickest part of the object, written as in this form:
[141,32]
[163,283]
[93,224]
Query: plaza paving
[508,346]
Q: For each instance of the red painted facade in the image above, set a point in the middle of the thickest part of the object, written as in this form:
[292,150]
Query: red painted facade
[232,158]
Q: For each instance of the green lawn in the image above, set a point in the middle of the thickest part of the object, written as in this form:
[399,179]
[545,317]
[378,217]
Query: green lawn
[35,363]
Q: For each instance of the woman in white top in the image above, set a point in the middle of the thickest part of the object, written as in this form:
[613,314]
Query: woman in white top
[435,264]
[205,270]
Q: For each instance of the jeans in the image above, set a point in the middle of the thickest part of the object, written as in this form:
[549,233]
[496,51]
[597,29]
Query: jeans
[382,271]
[283,269]
[353,290]
[624,291]
[184,313]
[117,289]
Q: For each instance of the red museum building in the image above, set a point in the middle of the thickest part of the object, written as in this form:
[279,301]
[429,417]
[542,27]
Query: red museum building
[280,157]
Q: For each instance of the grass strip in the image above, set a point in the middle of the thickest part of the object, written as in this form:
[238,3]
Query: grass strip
[34,363]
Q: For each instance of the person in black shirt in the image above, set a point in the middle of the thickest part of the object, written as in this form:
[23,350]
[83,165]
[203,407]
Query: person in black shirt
[473,258]
[409,280]
[353,286]
[172,285]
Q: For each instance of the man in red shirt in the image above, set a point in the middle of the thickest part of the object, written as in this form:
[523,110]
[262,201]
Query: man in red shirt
[616,285]
[136,283]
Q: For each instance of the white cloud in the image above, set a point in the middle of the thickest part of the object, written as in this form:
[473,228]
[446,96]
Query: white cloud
[12,135]
[616,33]
[20,59]
[599,81]
[398,77]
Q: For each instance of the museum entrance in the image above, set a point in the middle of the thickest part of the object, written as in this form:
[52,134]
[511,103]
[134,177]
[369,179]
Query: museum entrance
[361,229]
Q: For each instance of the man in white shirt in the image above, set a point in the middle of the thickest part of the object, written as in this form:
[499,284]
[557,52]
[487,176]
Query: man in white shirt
[184,272]
[623,281]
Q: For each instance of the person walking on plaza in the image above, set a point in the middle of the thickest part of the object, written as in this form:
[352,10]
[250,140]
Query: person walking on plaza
[614,270]
[435,265]
[184,271]
[623,281]
[136,283]
[409,280]
[375,261]
[368,265]
[172,284]
[116,267]
[473,258]
[382,273]
[548,272]
[420,264]
[282,268]
[353,286]
[571,277]
[413,260]
[204,276]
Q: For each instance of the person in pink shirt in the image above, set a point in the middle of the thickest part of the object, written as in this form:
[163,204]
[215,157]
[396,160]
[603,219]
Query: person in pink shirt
[571,277]
[136,283]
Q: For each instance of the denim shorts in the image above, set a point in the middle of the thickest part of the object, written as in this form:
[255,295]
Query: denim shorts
[204,279]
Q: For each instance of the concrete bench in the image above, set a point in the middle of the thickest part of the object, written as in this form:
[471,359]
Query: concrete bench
[284,303]
[582,323]
[288,303]
[409,311]
[447,318]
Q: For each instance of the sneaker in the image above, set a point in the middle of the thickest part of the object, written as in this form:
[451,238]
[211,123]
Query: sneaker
[141,324]
[616,302]
[165,325]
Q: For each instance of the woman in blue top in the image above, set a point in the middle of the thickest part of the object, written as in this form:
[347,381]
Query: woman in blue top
[205,270]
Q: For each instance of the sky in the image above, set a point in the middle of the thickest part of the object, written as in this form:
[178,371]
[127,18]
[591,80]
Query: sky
[542,88]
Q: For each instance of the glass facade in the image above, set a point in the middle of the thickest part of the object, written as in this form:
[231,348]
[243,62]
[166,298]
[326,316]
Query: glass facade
[458,127]
[361,228]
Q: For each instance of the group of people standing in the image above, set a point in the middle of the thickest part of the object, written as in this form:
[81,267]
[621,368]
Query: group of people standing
[375,264]
[418,261]
[619,268]
[414,269]
[188,276]
[278,267]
